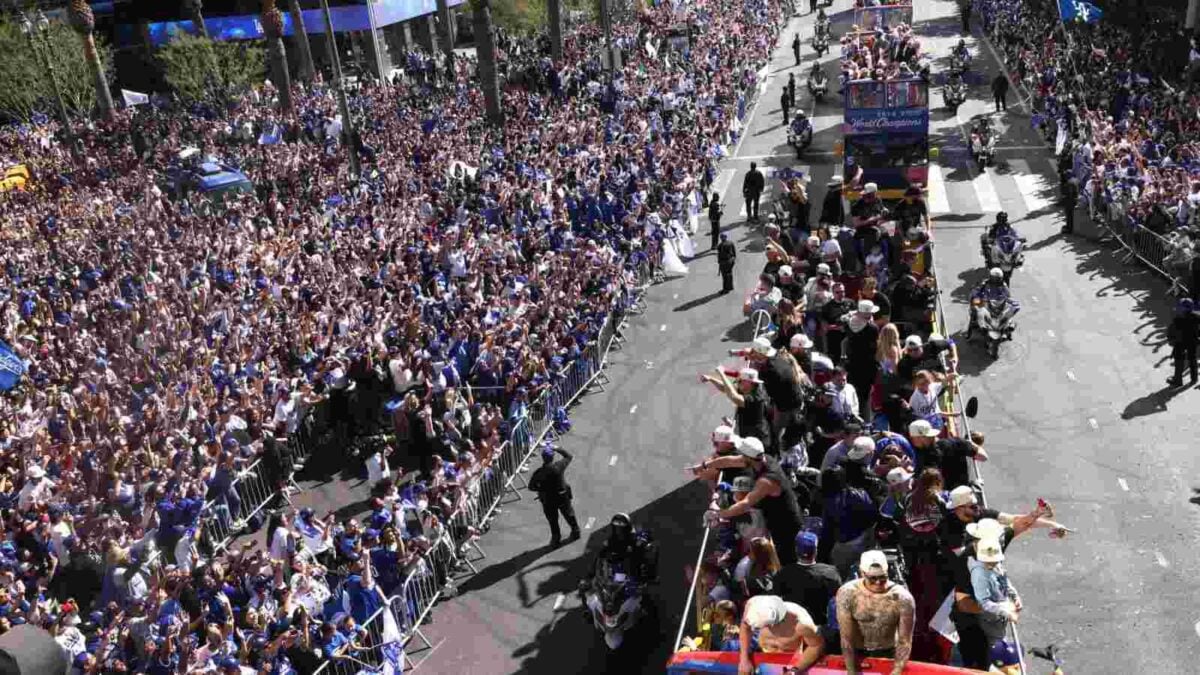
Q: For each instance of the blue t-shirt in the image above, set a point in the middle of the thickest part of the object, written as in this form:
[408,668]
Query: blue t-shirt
[335,642]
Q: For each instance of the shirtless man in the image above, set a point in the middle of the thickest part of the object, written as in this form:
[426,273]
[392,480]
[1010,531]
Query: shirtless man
[875,616]
[783,627]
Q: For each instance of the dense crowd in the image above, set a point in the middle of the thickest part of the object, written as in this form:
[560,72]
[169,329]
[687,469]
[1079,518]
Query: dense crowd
[172,340]
[1122,91]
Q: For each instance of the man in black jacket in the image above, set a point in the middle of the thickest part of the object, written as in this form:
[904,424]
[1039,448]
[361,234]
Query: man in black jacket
[1183,334]
[752,188]
[1070,199]
[808,583]
[726,257]
[550,482]
[1000,92]
[715,210]
[796,47]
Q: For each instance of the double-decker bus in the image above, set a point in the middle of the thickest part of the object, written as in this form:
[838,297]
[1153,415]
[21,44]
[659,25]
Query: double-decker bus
[886,135]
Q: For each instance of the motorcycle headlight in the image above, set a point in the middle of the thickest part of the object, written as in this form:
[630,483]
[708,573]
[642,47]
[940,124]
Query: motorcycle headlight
[611,621]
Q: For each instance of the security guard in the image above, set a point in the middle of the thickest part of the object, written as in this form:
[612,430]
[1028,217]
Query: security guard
[550,483]
[1182,334]
[726,258]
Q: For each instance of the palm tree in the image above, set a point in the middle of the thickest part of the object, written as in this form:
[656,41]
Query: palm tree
[195,10]
[485,47]
[82,20]
[272,23]
[554,17]
[306,61]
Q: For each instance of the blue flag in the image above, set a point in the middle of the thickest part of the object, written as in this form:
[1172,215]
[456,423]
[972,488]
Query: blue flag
[1079,10]
[11,367]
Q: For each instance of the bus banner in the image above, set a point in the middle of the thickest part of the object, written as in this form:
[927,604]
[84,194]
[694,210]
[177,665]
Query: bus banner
[886,119]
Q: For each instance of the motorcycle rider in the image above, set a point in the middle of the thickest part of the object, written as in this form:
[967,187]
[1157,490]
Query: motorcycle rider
[999,228]
[816,78]
[960,50]
[993,288]
[954,86]
[822,27]
[629,548]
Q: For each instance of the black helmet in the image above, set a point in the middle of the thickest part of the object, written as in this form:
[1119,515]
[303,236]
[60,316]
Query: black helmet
[622,523]
[1002,217]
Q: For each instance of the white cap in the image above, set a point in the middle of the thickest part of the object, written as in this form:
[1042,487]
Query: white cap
[912,341]
[823,268]
[962,495]
[862,447]
[870,189]
[723,434]
[871,559]
[749,375]
[922,429]
[785,271]
[35,472]
[763,346]
[988,528]
[898,475]
[764,610]
[989,551]
[801,341]
[750,447]
[996,273]
[814,239]
[867,307]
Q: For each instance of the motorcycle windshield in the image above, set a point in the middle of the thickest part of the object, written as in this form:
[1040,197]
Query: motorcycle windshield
[1007,245]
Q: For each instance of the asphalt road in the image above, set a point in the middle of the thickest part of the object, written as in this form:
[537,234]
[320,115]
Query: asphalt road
[1075,410]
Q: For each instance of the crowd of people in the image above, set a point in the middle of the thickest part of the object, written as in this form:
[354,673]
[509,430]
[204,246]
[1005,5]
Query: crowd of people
[171,340]
[1117,96]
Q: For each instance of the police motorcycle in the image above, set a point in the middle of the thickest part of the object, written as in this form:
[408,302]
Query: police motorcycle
[960,58]
[1002,247]
[800,132]
[818,82]
[615,594]
[820,38]
[993,312]
[983,143]
[954,92]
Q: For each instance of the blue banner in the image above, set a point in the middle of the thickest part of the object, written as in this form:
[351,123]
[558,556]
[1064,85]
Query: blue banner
[11,367]
[865,121]
[1079,10]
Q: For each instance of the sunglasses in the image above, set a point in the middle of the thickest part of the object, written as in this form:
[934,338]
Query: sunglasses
[876,578]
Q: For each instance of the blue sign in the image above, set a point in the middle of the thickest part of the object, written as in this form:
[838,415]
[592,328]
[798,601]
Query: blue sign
[868,121]
[1079,10]
[11,367]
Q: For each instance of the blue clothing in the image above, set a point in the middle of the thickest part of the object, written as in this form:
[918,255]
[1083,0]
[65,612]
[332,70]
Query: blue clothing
[336,641]
[990,588]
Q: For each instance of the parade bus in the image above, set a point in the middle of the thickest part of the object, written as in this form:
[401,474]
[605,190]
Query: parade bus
[726,663]
[886,135]
[882,17]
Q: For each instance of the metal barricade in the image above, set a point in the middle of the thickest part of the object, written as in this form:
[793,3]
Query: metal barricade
[370,657]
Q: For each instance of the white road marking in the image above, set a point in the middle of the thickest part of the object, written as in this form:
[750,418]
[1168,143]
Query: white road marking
[938,201]
[590,522]
[675,297]
[750,117]
[633,410]
[1030,184]
[662,328]
[558,602]
[1197,629]
[724,180]
[1019,148]
[612,461]
[807,153]
[1124,485]
[1071,375]
[1162,561]
[1092,423]
[1034,298]
[985,190]
[1050,333]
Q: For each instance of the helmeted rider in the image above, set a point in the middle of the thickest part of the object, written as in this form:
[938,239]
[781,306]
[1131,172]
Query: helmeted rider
[960,50]
[999,228]
[993,289]
[815,75]
[630,549]
[822,22]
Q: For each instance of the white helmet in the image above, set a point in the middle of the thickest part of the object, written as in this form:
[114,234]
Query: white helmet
[996,273]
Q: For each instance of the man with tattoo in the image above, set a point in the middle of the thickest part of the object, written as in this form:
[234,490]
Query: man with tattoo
[782,627]
[875,616]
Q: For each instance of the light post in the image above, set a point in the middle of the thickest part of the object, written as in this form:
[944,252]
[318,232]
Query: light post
[343,106]
[37,30]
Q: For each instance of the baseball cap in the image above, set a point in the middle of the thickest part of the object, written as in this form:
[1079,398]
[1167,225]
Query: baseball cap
[870,189]
[750,447]
[922,429]
[743,484]
[996,273]
[35,472]
[763,346]
[989,551]
[987,528]
[898,475]
[867,307]
[749,375]
[806,544]
[912,191]
[764,610]
[912,341]
[872,559]
[723,434]
[862,447]
[823,268]
[785,271]
[547,451]
[801,341]
[962,495]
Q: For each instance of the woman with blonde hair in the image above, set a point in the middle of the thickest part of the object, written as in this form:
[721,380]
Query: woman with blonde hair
[888,351]
[755,570]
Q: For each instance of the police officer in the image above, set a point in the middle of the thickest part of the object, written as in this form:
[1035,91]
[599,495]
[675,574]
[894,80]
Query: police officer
[1183,333]
[1070,198]
[550,483]
[726,257]
[715,210]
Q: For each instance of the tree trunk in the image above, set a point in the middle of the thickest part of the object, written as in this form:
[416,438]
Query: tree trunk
[554,17]
[307,70]
[272,23]
[445,30]
[195,10]
[82,20]
[485,46]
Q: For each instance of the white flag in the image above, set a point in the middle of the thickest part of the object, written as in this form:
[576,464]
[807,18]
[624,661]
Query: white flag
[393,645]
[941,622]
[133,98]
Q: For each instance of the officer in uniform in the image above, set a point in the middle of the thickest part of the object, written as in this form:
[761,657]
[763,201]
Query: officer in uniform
[550,482]
[715,210]
[726,257]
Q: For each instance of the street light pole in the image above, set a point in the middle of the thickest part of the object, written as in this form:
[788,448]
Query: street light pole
[36,30]
[343,105]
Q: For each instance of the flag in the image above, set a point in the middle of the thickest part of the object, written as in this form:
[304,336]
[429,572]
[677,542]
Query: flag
[11,367]
[1079,10]
[271,135]
[133,98]
[941,623]
[393,645]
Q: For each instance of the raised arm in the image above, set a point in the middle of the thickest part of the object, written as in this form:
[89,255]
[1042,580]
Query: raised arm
[904,634]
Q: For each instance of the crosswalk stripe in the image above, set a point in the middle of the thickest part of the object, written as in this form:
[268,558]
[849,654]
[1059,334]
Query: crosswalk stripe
[724,180]
[1031,185]
[938,202]
[985,190]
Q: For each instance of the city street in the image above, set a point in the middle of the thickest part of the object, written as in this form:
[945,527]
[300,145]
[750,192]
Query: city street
[1075,410]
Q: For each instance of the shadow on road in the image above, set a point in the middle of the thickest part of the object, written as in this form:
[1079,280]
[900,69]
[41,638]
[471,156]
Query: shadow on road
[692,304]
[503,570]
[571,644]
[1152,403]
